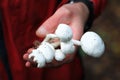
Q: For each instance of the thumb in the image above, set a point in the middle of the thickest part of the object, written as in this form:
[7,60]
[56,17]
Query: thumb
[50,25]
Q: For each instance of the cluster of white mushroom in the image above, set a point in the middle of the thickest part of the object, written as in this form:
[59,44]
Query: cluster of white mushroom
[90,43]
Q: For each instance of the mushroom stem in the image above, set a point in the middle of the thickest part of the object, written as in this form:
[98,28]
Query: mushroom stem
[55,44]
[49,36]
[76,42]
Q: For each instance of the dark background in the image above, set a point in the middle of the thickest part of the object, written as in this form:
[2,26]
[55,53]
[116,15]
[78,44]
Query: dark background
[107,67]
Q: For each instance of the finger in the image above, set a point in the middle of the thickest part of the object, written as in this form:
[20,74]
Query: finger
[28,64]
[30,50]
[25,56]
[77,27]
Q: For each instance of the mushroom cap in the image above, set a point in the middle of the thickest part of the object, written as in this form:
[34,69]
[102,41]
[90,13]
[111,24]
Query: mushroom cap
[38,58]
[47,51]
[68,47]
[92,44]
[59,56]
[40,61]
[64,32]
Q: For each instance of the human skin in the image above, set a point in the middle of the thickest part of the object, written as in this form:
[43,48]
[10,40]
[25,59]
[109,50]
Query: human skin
[75,15]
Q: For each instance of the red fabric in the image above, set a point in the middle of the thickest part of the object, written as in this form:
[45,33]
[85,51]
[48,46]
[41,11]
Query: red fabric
[3,75]
[21,18]
[98,5]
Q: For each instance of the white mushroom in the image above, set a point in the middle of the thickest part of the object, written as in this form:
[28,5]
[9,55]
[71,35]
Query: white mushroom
[44,53]
[59,56]
[91,44]
[68,47]
[47,51]
[38,58]
[64,32]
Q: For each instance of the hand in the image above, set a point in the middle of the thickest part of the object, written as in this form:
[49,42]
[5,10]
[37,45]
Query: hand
[75,15]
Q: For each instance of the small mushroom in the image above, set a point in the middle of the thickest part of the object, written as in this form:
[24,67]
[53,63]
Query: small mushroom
[59,56]
[47,50]
[64,32]
[68,47]
[38,58]
[44,53]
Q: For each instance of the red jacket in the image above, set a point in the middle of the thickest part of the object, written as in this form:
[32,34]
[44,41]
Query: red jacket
[20,20]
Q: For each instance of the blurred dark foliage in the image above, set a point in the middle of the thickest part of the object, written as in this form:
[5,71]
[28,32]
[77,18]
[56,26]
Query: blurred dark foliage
[107,67]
